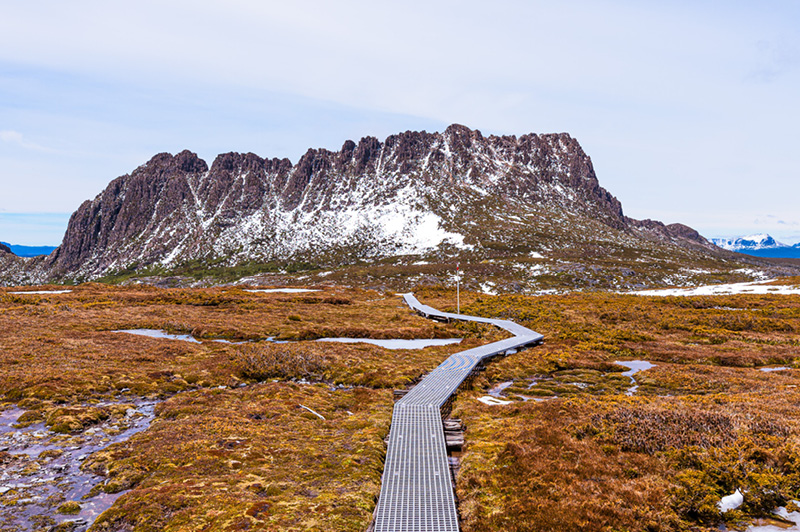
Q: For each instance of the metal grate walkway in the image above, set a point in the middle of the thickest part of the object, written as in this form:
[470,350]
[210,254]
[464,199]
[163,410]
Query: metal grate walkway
[416,490]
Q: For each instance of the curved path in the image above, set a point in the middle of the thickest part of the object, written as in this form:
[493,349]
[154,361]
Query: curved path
[416,490]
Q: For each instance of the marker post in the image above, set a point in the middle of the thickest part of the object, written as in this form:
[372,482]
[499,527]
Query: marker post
[458,289]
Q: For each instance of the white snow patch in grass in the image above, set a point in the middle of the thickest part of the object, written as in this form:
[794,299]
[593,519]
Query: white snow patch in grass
[536,270]
[783,513]
[723,290]
[696,270]
[493,401]
[730,502]
[281,290]
[42,292]
[488,288]
[757,274]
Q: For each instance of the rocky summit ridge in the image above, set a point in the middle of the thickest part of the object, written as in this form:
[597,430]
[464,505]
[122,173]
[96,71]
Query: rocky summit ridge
[414,194]
[379,198]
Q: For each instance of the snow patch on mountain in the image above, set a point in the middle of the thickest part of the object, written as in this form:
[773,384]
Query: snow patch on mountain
[399,225]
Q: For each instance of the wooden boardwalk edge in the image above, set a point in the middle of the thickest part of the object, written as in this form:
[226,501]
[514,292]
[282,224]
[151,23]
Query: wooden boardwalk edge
[416,487]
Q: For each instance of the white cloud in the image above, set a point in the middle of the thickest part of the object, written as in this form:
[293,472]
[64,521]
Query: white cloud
[11,136]
[16,138]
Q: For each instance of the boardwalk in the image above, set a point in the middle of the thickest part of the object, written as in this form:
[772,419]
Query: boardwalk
[416,491]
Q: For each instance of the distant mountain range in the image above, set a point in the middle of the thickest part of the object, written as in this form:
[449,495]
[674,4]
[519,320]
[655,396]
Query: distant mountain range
[759,245]
[525,212]
[28,251]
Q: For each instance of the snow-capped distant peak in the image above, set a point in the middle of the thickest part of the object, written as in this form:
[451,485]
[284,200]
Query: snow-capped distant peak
[749,242]
[758,237]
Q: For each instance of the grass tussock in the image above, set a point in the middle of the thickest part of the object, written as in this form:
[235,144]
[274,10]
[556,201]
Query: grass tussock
[653,428]
[262,362]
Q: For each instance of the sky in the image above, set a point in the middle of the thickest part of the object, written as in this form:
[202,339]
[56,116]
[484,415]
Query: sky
[688,109]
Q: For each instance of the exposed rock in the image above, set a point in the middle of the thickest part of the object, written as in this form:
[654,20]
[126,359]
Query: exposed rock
[684,231]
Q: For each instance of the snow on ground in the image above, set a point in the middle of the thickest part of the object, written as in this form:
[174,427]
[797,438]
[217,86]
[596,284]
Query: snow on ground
[493,401]
[783,513]
[281,290]
[755,274]
[488,288]
[730,502]
[42,292]
[696,270]
[760,287]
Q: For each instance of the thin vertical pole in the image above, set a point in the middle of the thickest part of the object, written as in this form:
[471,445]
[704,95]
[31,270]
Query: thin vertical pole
[458,289]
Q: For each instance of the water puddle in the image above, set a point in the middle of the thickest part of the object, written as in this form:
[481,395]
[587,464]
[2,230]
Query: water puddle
[388,344]
[537,380]
[156,333]
[41,470]
[7,418]
[497,389]
[634,367]
[526,398]
[497,392]
[281,290]
[776,368]
[396,344]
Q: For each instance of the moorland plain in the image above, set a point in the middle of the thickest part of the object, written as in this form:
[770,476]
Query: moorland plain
[232,449]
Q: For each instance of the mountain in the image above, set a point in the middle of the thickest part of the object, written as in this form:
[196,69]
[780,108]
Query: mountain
[27,251]
[367,200]
[748,243]
[759,245]
[524,211]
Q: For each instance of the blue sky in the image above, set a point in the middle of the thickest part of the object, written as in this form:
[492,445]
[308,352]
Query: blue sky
[688,109]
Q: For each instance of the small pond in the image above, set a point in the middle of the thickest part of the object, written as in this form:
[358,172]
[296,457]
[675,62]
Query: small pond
[156,333]
[396,344]
[634,367]
[387,344]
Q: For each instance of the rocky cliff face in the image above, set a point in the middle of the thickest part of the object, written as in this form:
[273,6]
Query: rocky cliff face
[369,199]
